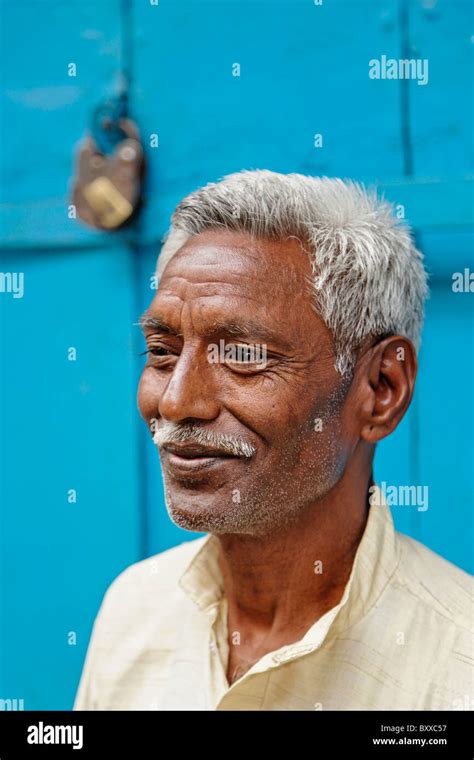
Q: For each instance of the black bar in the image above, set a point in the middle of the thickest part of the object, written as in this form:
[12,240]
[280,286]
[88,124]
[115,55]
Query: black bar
[311,734]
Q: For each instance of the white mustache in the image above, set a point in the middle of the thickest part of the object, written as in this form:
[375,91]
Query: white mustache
[171,432]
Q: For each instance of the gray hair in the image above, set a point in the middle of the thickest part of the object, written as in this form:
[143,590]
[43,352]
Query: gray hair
[368,277]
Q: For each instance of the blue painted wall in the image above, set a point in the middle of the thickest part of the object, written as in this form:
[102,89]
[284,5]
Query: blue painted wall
[74,425]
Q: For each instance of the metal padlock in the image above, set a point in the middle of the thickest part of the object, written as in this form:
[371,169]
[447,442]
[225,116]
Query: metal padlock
[107,187]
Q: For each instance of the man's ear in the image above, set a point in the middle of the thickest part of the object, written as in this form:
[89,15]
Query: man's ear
[386,383]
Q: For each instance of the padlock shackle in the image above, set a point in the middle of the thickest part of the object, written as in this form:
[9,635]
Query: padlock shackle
[104,127]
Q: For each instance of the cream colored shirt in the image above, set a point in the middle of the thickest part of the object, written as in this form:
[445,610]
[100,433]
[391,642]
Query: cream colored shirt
[399,639]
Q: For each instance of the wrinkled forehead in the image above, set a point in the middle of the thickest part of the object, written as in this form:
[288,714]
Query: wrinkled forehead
[222,277]
[266,270]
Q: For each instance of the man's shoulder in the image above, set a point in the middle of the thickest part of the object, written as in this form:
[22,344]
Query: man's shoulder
[441,588]
[151,578]
[165,567]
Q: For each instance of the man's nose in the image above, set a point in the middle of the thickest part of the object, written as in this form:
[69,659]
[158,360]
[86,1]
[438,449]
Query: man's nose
[191,391]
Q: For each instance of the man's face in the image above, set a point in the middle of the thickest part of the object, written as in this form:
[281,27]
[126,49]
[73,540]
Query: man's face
[281,405]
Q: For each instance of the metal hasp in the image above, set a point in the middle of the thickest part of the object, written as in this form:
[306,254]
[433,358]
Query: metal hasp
[109,169]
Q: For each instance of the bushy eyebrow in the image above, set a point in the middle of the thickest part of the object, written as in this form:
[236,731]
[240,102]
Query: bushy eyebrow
[249,329]
[147,321]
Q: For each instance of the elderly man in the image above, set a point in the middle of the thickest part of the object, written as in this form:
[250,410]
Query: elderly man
[281,348]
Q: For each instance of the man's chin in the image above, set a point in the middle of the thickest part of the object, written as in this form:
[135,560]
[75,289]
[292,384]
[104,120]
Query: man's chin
[211,516]
[197,514]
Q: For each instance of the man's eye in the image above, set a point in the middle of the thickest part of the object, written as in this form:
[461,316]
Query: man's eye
[243,355]
[250,358]
[159,352]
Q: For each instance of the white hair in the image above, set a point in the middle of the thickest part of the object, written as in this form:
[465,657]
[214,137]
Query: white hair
[368,277]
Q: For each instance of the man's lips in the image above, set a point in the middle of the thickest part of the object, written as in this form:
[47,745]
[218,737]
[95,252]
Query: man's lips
[192,458]
[195,451]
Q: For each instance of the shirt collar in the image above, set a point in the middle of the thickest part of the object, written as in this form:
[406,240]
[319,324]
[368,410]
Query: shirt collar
[375,562]
[202,579]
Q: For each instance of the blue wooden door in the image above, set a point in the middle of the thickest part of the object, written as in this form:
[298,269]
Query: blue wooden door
[215,87]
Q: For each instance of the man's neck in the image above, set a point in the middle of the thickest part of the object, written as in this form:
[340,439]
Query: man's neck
[277,586]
